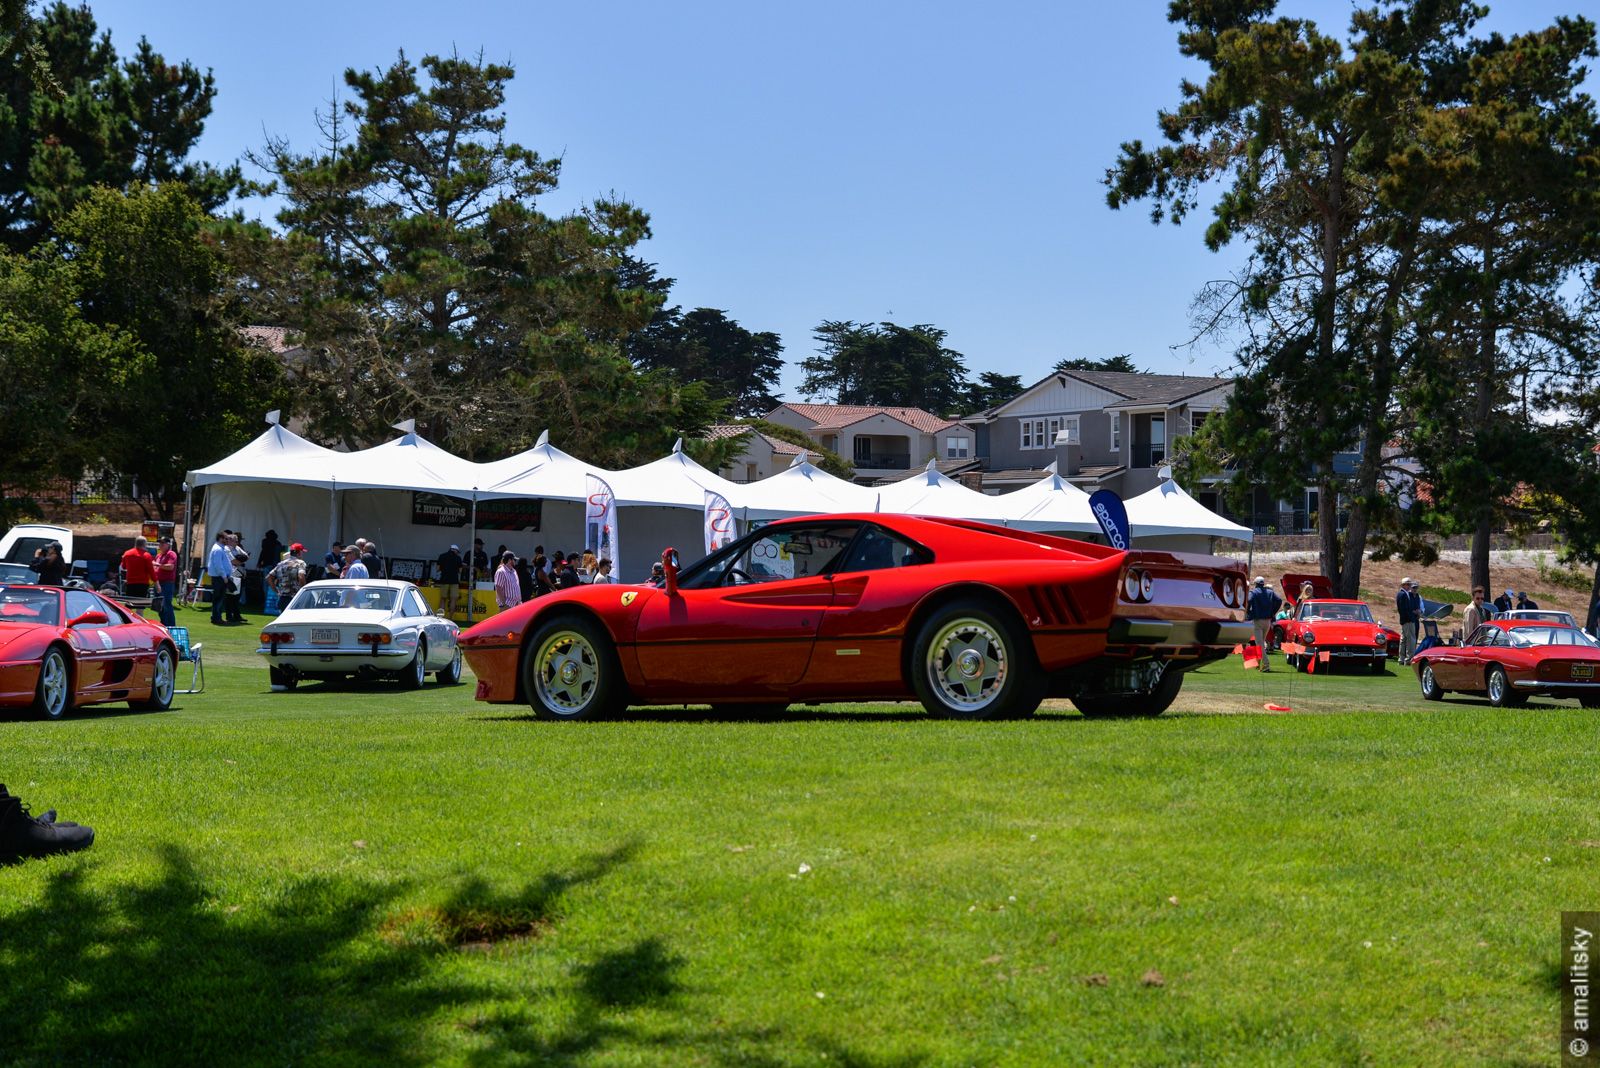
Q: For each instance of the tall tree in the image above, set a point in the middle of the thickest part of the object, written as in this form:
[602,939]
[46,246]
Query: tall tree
[187,389]
[1122,362]
[100,121]
[989,389]
[704,345]
[1299,131]
[886,364]
[427,283]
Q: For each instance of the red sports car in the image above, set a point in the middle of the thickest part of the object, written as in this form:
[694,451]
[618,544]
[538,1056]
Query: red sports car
[60,649]
[1334,633]
[976,621]
[1322,590]
[1511,660]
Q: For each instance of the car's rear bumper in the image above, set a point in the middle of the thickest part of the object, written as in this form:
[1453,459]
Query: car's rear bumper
[496,669]
[1558,689]
[1147,631]
[387,658]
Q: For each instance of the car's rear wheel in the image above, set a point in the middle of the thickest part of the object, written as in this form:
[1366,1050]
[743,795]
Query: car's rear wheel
[416,673]
[971,662]
[53,697]
[450,674]
[570,670]
[1431,689]
[283,678]
[1589,702]
[163,684]
[1501,695]
[1114,705]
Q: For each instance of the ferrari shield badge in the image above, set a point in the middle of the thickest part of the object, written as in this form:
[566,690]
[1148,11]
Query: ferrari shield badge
[628,597]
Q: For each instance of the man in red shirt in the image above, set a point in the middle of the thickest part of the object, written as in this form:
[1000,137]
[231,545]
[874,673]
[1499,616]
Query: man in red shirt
[138,570]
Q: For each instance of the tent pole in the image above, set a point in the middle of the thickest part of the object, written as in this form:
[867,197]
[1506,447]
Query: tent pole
[188,533]
[333,514]
[472,555]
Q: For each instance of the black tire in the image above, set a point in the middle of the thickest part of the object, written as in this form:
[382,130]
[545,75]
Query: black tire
[1498,687]
[1017,685]
[163,684]
[1589,702]
[1431,690]
[52,698]
[280,677]
[414,674]
[451,674]
[570,670]
[1131,705]
[1378,666]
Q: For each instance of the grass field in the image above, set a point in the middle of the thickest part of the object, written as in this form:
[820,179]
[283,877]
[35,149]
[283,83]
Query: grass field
[371,876]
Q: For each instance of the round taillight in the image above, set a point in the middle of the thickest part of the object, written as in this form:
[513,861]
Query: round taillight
[1146,585]
[1239,594]
[1130,585]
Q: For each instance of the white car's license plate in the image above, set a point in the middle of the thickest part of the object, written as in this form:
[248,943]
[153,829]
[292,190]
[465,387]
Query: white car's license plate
[1583,671]
[324,635]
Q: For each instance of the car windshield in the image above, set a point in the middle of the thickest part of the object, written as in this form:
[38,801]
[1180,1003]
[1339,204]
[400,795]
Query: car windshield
[319,598]
[1528,636]
[1344,613]
[18,573]
[39,607]
[787,552]
[1544,617]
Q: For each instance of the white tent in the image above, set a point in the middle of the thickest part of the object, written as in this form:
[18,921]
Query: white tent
[542,471]
[411,462]
[1168,518]
[930,492]
[802,488]
[1050,504]
[675,480]
[278,455]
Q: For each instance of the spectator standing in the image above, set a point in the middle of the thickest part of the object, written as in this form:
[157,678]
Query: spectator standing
[1593,622]
[480,560]
[567,576]
[353,567]
[1408,603]
[241,557]
[271,551]
[333,561]
[588,564]
[219,566]
[138,570]
[602,573]
[166,581]
[541,576]
[371,558]
[1260,609]
[50,564]
[1475,614]
[1524,602]
[507,591]
[1503,603]
[524,578]
[449,565]
[290,574]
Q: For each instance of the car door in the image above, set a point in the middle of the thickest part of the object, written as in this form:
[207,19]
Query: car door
[432,628]
[1465,670]
[96,646]
[747,623]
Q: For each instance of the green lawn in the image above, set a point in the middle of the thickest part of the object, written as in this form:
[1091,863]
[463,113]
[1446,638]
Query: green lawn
[373,876]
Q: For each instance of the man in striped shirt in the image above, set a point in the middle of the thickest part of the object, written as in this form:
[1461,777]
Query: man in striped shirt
[507,590]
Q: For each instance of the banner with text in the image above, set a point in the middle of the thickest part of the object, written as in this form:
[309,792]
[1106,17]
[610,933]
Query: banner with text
[721,527]
[600,521]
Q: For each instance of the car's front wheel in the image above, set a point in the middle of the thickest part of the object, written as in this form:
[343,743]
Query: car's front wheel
[1114,705]
[53,696]
[163,684]
[570,670]
[971,662]
[1431,690]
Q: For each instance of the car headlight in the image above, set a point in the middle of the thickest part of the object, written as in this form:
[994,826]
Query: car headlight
[1380,638]
[1309,638]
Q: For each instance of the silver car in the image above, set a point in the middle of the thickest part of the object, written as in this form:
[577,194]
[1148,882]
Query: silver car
[370,628]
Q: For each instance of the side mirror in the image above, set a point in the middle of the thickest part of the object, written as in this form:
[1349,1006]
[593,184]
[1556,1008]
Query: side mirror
[92,618]
[669,568]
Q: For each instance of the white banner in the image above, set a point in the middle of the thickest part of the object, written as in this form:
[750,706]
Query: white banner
[600,522]
[720,525]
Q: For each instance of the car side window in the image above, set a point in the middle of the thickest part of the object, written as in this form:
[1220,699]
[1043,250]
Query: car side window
[787,552]
[877,549]
[81,601]
[414,605]
[1483,636]
[115,615]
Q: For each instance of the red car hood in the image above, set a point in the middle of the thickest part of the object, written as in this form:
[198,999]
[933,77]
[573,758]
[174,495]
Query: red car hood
[11,634]
[1334,631]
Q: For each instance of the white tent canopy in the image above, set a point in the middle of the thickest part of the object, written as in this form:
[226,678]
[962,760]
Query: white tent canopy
[931,492]
[675,481]
[1167,511]
[1052,503]
[802,488]
[542,471]
[278,455]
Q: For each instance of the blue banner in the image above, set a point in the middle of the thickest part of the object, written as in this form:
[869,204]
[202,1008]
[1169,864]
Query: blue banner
[1112,517]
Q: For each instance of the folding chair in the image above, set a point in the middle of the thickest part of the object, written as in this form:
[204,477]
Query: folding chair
[191,654]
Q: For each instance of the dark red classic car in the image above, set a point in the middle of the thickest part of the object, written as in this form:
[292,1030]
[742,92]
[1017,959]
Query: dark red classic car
[62,649]
[1510,660]
[973,620]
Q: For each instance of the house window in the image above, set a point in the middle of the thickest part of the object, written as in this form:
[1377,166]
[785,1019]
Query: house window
[1041,433]
[1196,421]
[1158,440]
[750,472]
[1116,431]
[955,448]
[863,447]
[1070,425]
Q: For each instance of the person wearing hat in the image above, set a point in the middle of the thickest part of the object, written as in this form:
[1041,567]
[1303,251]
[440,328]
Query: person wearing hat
[1260,607]
[289,575]
[449,565]
[353,567]
[1408,603]
[1524,602]
[1503,603]
[166,581]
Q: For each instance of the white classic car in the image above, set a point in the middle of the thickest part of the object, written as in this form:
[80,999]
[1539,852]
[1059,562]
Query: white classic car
[370,628]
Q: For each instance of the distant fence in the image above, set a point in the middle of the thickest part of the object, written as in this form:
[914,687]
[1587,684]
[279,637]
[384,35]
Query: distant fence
[66,501]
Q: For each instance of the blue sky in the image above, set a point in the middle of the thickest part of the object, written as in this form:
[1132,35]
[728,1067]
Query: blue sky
[921,162]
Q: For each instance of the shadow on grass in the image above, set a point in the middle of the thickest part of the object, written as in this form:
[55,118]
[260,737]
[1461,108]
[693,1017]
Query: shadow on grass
[168,970]
[794,714]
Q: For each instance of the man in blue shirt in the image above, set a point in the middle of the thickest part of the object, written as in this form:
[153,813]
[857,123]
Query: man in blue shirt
[219,565]
[1261,607]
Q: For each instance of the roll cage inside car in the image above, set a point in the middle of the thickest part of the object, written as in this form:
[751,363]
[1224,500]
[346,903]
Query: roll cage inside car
[862,546]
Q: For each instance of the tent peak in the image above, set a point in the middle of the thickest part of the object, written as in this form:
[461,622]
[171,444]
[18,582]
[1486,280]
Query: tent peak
[799,459]
[544,439]
[933,464]
[405,426]
[677,446]
[274,416]
[1052,468]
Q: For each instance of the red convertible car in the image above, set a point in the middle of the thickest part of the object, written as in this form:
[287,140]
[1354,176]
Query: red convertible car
[975,621]
[1510,660]
[1322,591]
[61,649]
